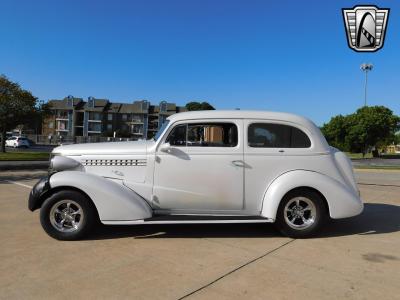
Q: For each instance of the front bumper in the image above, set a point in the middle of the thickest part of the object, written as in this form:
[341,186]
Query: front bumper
[42,186]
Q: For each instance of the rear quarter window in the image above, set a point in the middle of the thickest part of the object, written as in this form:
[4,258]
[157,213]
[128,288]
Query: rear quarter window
[269,135]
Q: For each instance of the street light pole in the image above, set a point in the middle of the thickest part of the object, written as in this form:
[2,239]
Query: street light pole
[365,68]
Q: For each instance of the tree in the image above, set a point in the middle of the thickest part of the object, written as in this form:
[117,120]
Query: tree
[199,106]
[335,132]
[369,127]
[16,104]
[34,120]
[397,138]
[372,127]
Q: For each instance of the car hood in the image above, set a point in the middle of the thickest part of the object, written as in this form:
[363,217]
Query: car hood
[135,147]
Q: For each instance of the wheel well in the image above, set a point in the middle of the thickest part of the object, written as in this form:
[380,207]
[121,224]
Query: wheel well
[310,189]
[51,192]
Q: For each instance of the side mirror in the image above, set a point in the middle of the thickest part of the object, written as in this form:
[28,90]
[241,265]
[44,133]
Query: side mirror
[166,147]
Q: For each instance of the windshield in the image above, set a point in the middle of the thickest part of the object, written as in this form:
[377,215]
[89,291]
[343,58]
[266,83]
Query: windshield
[161,130]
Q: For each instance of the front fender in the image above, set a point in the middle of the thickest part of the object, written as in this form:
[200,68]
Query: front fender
[342,200]
[114,202]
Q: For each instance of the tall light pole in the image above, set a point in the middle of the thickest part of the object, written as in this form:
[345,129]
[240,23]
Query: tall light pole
[366,68]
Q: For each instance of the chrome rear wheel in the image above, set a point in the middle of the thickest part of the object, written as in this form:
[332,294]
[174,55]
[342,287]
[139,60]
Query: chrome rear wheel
[300,213]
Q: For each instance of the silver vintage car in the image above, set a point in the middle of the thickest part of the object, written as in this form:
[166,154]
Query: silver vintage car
[201,167]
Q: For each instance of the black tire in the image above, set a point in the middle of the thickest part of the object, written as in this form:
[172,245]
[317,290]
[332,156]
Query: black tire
[78,202]
[315,217]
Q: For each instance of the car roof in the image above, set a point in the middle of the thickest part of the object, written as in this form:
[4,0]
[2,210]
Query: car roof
[238,114]
[318,140]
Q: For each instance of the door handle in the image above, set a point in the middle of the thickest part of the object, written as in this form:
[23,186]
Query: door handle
[238,163]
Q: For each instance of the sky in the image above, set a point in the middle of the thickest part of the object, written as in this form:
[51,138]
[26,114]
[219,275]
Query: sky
[289,56]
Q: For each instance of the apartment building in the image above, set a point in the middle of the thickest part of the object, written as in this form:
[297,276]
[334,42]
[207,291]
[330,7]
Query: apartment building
[99,117]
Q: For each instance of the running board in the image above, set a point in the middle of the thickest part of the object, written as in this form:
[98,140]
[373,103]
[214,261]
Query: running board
[191,220]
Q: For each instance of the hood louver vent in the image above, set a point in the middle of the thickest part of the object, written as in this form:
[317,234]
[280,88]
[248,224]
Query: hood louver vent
[114,162]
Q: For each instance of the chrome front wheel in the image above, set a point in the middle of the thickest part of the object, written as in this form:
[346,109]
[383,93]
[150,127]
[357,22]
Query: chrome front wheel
[66,216]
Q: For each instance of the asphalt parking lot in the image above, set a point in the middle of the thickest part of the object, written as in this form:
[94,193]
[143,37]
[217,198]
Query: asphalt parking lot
[357,258]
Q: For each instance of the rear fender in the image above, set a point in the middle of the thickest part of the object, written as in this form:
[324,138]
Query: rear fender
[113,201]
[342,201]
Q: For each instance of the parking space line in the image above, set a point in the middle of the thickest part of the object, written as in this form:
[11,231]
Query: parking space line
[236,269]
[18,183]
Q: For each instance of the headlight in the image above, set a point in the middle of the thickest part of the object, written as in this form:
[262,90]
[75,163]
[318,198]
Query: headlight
[62,163]
[51,168]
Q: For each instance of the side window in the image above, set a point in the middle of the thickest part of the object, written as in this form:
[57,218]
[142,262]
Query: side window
[299,139]
[264,135]
[177,136]
[212,135]
[204,135]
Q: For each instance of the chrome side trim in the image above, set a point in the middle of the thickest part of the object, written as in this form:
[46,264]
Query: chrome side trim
[144,222]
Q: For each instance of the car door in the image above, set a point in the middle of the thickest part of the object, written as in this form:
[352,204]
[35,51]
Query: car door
[199,167]
[272,148]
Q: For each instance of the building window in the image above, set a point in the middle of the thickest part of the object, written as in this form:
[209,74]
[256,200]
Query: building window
[94,127]
[138,129]
[62,125]
[51,125]
[263,135]
[62,114]
[124,117]
[124,127]
[109,117]
[137,118]
[109,127]
[95,116]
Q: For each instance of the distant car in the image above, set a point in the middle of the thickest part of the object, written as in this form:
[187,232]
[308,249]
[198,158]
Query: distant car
[202,167]
[18,142]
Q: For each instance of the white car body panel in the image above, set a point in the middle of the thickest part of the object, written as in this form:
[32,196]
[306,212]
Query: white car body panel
[113,201]
[209,181]
[200,179]
[343,202]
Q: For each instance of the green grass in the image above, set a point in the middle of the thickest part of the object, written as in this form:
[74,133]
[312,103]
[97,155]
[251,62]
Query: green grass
[358,155]
[369,155]
[378,167]
[24,156]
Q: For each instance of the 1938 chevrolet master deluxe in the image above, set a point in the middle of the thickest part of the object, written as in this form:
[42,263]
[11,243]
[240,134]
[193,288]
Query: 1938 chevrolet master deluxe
[201,167]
